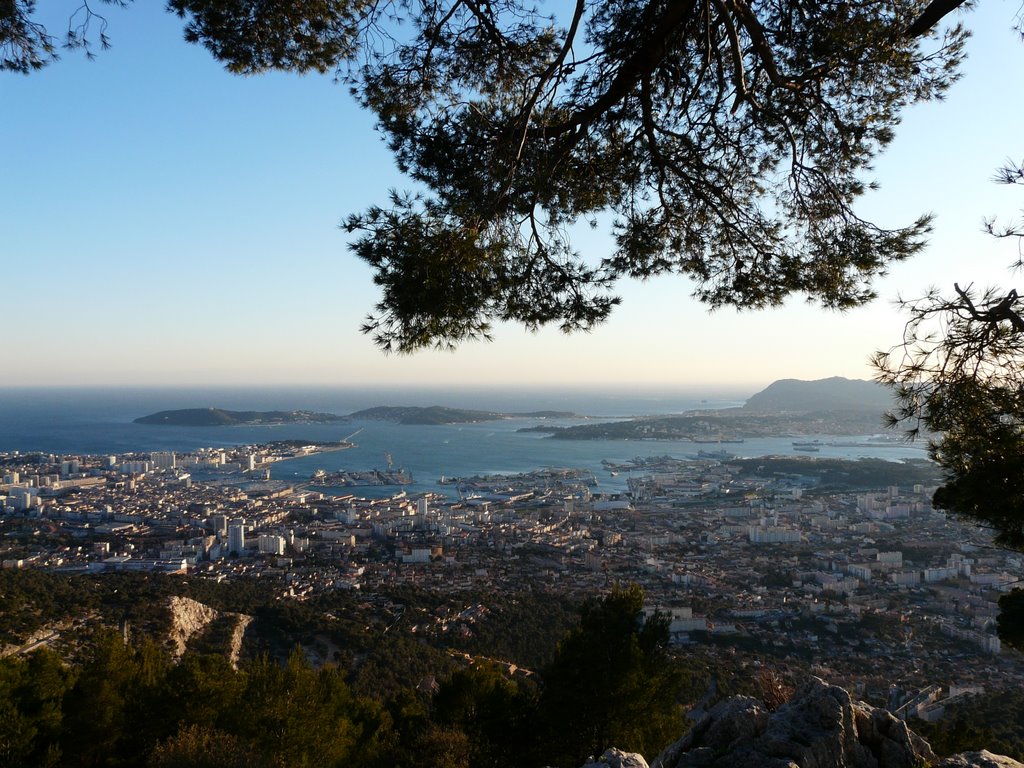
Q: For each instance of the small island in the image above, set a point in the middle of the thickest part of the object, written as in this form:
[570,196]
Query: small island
[218,417]
[435,414]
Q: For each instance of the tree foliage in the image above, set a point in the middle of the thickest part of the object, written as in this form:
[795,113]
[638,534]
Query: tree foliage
[1011,618]
[723,140]
[611,683]
[990,721]
[129,704]
[496,715]
[200,746]
[126,705]
[959,376]
[31,716]
[726,140]
[298,35]
[26,45]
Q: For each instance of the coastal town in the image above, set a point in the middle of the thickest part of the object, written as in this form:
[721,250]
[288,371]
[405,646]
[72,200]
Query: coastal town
[872,589]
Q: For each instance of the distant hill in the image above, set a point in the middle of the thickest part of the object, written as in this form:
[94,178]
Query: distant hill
[439,414]
[834,394]
[218,417]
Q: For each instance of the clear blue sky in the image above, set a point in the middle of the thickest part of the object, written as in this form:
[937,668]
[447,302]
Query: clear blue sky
[164,222]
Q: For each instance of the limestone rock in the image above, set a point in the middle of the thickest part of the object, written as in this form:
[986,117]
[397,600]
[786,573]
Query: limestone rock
[983,759]
[188,617]
[820,727]
[242,623]
[616,758]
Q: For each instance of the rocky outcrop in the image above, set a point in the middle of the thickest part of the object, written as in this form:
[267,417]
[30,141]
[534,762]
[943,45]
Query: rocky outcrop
[983,759]
[235,651]
[188,618]
[616,758]
[821,726]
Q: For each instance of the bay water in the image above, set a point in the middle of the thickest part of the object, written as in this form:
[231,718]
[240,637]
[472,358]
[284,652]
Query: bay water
[100,421]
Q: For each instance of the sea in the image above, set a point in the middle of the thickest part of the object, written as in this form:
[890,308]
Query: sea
[83,420]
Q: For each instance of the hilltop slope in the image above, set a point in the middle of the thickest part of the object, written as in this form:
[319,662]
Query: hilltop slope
[832,394]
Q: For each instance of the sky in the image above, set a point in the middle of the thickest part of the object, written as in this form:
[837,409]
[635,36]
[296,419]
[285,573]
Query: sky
[163,222]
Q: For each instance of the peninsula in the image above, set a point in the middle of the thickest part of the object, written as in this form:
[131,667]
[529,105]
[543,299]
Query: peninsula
[218,417]
[834,406]
[435,414]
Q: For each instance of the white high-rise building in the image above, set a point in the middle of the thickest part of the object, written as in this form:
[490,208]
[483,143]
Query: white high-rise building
[891,558]
[163,460]
[236,537]
[23,498]
[271,544]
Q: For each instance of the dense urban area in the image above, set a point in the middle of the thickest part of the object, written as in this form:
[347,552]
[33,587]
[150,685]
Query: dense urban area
[874,590]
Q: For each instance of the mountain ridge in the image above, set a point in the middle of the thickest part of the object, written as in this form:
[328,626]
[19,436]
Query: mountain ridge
[835,393]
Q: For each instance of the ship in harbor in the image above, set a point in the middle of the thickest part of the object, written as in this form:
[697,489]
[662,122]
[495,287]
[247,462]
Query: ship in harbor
[538,483]
[348,478]
[807,446]
[715,455]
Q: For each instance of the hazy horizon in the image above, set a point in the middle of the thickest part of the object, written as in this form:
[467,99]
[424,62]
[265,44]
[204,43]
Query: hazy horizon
[729,388]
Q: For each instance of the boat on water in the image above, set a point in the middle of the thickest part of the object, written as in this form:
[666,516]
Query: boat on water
[806,448]
[716,455]
[351,478]
[348,478]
